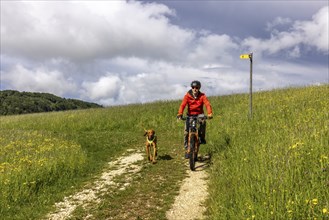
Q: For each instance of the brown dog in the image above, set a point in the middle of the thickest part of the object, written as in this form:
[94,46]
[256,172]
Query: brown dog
[151,141]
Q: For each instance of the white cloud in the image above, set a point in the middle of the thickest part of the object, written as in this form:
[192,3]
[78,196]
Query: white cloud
[311,33]
[278,21]
[212,49]
[118,52]
[89,30]
[113,90]
[38,80]
[106,86]
[315,32]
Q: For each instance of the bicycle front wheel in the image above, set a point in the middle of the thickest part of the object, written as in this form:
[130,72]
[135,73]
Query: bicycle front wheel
[192,155]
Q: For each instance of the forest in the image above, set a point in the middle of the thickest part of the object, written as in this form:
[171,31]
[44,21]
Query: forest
[15,102]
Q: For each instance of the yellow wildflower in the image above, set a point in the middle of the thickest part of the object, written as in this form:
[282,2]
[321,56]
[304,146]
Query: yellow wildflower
[297,144]
[315,201]
[324,210]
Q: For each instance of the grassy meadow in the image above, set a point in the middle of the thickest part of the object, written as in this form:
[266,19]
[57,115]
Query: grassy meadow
[46,156]
[275,166]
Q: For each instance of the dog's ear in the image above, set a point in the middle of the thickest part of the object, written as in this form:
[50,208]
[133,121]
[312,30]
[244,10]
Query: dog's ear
[145,132]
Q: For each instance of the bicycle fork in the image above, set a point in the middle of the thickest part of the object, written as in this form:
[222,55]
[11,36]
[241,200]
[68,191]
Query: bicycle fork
[196,141]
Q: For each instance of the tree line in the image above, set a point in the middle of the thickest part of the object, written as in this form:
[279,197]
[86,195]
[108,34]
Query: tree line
[15,102]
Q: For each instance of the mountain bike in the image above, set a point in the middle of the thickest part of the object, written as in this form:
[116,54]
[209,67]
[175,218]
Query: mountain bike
[193,137]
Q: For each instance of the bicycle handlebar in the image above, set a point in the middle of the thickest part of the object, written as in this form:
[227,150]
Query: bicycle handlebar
[202,116]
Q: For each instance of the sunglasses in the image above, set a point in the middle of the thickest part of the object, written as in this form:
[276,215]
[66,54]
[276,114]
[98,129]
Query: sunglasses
[195,87]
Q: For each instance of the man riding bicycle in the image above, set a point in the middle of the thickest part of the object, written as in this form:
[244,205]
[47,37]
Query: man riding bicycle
[195,100]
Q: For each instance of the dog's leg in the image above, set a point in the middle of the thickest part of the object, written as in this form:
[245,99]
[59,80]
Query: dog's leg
[154,152]
[148,151]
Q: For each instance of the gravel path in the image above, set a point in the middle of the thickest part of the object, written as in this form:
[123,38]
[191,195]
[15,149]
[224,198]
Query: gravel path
[123,165]
[193,192]
[187,206]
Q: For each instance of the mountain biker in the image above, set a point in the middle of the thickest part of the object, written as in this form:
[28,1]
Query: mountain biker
[195,100]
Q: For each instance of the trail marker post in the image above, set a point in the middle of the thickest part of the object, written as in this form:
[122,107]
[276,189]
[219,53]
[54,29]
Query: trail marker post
[249,56]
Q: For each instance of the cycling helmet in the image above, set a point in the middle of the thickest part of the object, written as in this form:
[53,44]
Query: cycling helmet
[196,83]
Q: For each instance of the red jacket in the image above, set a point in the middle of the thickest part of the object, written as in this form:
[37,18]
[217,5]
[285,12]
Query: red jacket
[195,105]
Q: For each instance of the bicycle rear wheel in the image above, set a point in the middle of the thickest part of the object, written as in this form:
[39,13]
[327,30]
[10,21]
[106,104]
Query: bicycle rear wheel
[192,155]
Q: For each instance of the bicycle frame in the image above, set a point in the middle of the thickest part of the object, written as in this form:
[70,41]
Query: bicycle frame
[193,133]
[193,138]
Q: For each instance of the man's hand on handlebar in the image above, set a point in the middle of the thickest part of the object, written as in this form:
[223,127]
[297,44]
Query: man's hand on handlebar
[180,117]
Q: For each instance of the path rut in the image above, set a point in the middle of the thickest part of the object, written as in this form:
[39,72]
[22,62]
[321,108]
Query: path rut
[193,193]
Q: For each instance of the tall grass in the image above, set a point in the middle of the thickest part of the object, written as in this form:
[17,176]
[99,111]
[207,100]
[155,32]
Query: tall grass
[46,155]
[275,166]
[31,160]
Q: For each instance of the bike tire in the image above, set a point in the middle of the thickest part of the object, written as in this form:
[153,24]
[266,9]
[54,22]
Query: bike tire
[193,143]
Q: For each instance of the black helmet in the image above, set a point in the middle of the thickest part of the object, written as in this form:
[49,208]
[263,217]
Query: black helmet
[196,83]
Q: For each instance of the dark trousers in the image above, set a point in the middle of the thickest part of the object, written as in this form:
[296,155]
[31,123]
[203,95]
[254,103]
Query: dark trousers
[202,131]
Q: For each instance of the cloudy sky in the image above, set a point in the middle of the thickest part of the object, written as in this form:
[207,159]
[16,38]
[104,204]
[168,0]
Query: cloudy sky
[122,52]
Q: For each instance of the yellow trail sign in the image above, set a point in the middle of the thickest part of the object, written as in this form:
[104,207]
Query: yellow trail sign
[244,56]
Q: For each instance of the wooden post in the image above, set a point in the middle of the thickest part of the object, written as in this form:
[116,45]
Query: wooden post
[250,88]
[249,56]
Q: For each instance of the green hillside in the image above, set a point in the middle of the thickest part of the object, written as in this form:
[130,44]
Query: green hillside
[275,166]
[15,102]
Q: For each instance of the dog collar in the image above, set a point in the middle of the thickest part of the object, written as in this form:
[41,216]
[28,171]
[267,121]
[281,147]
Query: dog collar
[150,141]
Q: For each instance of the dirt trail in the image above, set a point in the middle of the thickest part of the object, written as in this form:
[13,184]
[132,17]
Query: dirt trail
[123,165]
[193,192]
[187,206]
